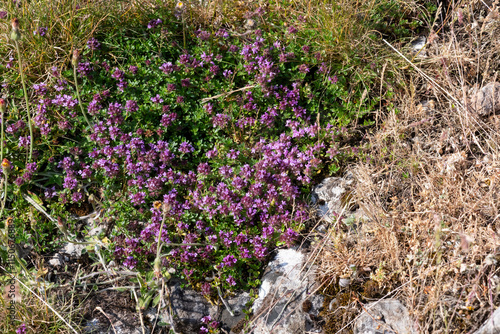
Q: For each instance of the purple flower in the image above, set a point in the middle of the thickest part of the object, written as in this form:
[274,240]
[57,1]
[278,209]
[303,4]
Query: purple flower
[167,67]
[226,171]
[229,261]
[333,80]
[153,23]
[93,44]
[118,74]
[220,120]
[76,197]
[70,183]
[131,106]
[185,82]
[50,192]
[40,89]
[24,141]
[306,48]
[130,262]
[3,14]
[203,35]
[212,153]
[180,99]
[133,69]
[19,181]
[40,31]
[168,119]
[85,69]
[233,49]
[289,236]
[31,167]
[292,30]
[157,99]
[231,280]
[186,147]
[233,154]
[204,168]
[54,71]
[21,329]
[214,69]
[138,198]
[222,33]
[303,69]
[66,101]
[122,84]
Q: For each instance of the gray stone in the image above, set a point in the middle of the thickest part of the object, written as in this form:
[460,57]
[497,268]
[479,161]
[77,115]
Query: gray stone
[286,302]
[74,250]
[332,197]
[56,260]
[487,100]
[417,45]
[189,306]
[119,326]
[492,325]
[387,316]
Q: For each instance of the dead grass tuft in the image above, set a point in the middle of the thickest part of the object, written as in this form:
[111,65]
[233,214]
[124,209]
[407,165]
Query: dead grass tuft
[431,189]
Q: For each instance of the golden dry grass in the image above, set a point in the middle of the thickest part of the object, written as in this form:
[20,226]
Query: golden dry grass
[431,189]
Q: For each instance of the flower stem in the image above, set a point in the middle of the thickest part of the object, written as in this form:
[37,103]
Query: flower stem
[4,197]
[21,72]
[79,99]
[1,138]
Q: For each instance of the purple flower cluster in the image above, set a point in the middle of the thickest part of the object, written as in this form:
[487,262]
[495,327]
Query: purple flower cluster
[41,31]
[93,44]
[227,202]
[154,23]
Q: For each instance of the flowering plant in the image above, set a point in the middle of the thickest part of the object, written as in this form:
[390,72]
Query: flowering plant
[205,153]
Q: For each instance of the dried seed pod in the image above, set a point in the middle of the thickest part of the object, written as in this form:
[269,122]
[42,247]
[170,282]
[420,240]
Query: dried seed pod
[76,57]
[15,33]
[3,106]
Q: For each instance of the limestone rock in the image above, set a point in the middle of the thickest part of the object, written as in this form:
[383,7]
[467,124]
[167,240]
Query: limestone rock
[487,100]
[286,303]
[387,316]
[332,197]
[492,325]
[189,306]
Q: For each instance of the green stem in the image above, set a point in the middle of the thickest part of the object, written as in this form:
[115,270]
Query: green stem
[158,246]
[79,99]
[4,195]
[1,139]
[26,98]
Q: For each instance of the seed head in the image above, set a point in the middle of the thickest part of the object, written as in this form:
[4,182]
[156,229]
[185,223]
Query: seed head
[6,166]
[3,106]
[15,33]
[76,57]
[15,23]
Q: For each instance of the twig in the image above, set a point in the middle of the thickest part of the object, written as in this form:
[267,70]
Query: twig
[227,93]
[138,309]
[424,75]
[228,308]
[100,310]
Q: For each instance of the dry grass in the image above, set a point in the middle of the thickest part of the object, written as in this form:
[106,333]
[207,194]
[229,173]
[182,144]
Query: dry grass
[431,189]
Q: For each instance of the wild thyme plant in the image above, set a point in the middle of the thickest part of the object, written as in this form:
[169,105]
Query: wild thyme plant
[227,134]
